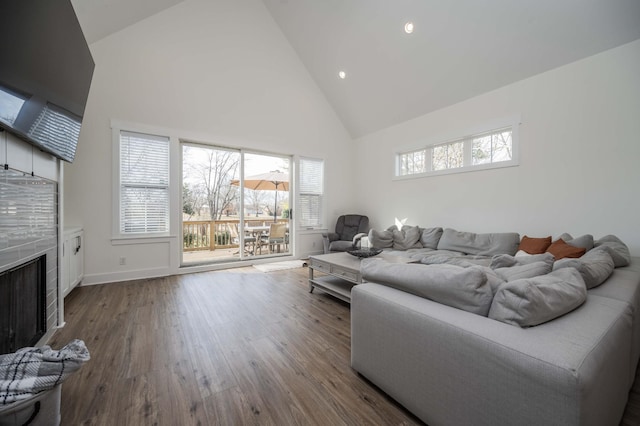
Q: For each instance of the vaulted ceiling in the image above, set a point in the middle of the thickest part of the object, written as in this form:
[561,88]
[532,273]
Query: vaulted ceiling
[458,49]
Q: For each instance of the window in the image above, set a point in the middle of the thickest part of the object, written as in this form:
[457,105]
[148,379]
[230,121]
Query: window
[311,190]
[492,147]
[480,151]
[447,156]
[413,162]
[144,183]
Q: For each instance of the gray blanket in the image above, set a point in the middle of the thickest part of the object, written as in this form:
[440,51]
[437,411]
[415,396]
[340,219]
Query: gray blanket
[30,371]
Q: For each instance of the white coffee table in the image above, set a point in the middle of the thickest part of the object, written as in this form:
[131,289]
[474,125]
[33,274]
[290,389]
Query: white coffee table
[341,271]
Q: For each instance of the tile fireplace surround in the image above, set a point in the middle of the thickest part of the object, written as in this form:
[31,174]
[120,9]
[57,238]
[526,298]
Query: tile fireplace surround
[29,229]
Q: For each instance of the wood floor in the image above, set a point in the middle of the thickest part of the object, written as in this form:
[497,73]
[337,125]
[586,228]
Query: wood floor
[221,348]
[216,348]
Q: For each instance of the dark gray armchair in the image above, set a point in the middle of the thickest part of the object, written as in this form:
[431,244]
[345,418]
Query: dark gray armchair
[350,228]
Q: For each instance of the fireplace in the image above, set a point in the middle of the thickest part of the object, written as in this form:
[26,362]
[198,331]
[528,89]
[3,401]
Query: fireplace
[23,305]
[28,259]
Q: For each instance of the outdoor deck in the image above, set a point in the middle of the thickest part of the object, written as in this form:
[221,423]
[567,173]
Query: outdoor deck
[215,240]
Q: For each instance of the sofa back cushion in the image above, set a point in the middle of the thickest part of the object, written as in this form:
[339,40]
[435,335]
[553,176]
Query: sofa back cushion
[595,266]
[462,288]
[408,237]
[585,241]
[479,244]
[532,301]
[618,250]
[380,239]
[430,237]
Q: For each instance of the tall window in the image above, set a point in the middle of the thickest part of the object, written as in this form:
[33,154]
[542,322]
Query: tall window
[311,191]
[485,150]
[144,183]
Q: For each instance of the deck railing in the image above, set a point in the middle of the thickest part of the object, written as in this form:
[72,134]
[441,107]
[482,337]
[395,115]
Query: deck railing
[214,234]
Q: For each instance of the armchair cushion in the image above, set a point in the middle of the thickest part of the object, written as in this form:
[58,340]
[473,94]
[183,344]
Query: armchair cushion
[340,245]
[331,236]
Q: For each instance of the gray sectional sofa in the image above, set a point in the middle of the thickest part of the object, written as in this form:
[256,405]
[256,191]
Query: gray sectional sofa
[525,344]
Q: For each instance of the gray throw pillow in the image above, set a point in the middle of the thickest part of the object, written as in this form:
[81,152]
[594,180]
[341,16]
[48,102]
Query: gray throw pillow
[462,288]
[532,301]
[595,266]
[619,250]
[380,239]
[408,238]
[584,241]
[528,270]
[430,237]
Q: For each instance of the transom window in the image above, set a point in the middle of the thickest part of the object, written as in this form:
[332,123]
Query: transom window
[490,149]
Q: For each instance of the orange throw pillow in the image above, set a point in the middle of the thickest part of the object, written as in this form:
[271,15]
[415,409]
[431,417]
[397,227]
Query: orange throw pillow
[559,249]
[534,245]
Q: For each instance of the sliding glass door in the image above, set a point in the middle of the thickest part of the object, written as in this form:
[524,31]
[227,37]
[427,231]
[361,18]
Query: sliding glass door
[235,204]
[266,201]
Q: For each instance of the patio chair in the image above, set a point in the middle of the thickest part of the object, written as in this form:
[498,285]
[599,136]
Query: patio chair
[249,240]
[277,236]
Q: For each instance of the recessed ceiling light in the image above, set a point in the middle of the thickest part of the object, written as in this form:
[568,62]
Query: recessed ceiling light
[408,27]
[342,74]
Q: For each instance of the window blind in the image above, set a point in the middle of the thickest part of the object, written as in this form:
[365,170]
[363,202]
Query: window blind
[144,183]
[54,130]
[311,192]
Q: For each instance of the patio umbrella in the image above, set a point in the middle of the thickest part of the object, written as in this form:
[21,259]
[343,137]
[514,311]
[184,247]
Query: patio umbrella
[270,181]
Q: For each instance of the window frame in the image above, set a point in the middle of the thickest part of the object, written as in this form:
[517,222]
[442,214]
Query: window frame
[511,123]
[117,234]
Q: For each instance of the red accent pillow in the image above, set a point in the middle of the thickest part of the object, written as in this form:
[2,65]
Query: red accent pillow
[559,249]
[534,245]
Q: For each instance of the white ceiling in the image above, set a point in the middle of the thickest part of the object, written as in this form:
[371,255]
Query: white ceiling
[459,49]
[100,18]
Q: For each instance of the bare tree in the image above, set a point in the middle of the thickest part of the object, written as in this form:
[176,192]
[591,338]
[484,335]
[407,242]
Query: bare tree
[256,199]
[215,169]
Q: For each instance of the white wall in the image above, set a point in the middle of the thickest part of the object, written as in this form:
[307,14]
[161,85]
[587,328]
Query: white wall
[579,158]
[217,72]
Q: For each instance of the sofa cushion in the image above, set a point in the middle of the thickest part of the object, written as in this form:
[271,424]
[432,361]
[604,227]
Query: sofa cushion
[595,266]
[560,249]
[380,239]
[408,237]
[481,244]
[532,301]
[619,250]
[528,270]
[430,237]
[505,260]
[462,288]
[534,245]
[438,257]
[493,279]
[584,241]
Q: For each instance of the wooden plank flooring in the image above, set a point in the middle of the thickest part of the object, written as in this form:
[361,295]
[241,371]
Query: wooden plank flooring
[221,348]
